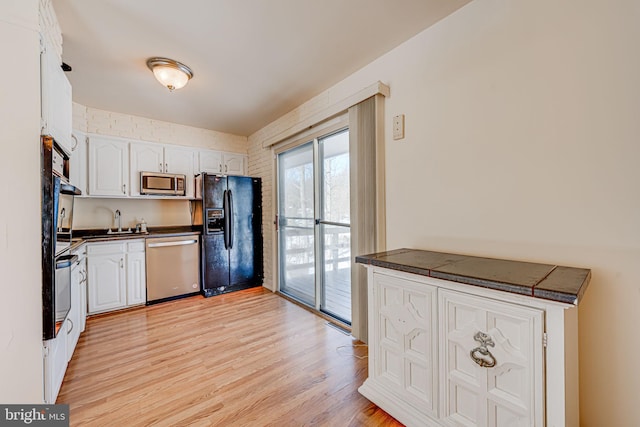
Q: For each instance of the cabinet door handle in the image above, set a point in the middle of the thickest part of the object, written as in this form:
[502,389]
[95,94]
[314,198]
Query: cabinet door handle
[71,329]
[166,167]
[121,263]
[220,167]
[225,168]
[481,355]
[160,167]
[124,188]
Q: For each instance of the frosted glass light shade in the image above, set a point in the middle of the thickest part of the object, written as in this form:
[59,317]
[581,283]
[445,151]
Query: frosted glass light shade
[171,74]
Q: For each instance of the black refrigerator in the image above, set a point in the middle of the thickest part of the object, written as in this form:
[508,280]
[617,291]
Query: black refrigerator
[232,233]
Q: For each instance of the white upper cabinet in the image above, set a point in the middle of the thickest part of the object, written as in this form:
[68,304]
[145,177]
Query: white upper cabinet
[78,162]
[56,104]
[144,158]
[211,161]
[180,160]
[108,167]
[233,164]
[112,165]
[150,157]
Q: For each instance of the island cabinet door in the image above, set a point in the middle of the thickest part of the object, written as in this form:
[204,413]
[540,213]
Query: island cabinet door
[491,361]
[405,359]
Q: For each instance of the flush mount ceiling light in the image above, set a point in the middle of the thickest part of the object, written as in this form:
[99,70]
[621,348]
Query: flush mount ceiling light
[171,74]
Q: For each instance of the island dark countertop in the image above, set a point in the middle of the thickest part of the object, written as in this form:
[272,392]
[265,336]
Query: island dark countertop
[546,281]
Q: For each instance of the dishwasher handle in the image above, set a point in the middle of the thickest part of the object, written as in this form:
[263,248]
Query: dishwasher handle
[175,243]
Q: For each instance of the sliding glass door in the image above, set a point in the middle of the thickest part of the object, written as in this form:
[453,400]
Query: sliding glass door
[314,224]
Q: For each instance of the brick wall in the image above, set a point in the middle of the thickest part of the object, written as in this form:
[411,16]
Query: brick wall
[93,120]
[262,164]
[49,27]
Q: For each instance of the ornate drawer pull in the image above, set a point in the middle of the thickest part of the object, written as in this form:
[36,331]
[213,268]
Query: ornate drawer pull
[481,355]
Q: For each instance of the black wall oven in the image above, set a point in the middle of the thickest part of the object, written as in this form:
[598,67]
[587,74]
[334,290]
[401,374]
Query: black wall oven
[57,217]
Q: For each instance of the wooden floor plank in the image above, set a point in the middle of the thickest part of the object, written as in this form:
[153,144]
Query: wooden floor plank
[249,358]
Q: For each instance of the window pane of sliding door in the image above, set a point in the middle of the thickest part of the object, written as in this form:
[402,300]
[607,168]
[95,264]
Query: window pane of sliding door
[296,223]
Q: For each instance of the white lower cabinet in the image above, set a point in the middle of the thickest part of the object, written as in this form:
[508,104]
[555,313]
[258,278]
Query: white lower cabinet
[82,269]
[491,360]
[446,354]
[136,278]
[58,351]
[55,364]
[73,323]
[116,275]
[107,284]
[404,331]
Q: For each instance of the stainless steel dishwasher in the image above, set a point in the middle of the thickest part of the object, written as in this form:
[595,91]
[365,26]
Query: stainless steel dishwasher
[173,267]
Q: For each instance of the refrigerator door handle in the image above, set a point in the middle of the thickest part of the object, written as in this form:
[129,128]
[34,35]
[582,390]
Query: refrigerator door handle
[230,195]
[225,209]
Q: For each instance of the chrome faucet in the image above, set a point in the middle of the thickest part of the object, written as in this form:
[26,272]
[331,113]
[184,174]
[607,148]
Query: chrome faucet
[118,216]
[61,220]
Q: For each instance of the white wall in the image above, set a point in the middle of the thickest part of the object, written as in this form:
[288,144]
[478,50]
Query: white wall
[521,143]
[21,370]
[99,213]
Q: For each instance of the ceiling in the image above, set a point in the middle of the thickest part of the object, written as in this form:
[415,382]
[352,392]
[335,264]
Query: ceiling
[253,60]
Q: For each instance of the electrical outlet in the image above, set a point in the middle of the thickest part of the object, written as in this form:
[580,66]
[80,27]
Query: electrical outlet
[398,126]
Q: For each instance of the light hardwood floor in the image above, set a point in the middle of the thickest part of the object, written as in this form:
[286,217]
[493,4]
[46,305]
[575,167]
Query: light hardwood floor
[248,358]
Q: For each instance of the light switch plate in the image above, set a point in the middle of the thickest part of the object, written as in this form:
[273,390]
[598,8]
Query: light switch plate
[398,126]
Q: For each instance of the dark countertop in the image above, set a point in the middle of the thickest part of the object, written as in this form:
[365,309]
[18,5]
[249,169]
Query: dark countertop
[546,281]
[100,234]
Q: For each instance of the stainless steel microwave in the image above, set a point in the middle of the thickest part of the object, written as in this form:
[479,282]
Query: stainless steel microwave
[162,184]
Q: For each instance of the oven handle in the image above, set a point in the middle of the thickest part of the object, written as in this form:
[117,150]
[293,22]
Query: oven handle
[176,243]
[65,261]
